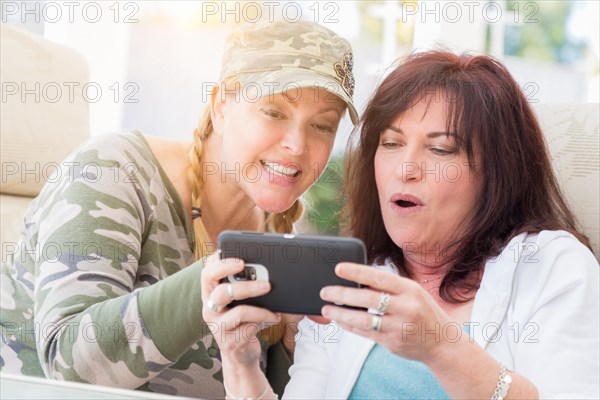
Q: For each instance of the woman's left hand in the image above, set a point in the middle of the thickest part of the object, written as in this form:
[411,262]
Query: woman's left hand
[412,326]
[234,329]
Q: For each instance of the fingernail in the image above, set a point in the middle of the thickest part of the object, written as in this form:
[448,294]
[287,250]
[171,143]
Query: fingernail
[324,293]
[265,325]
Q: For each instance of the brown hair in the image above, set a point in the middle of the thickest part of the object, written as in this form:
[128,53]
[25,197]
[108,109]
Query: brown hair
[495,125]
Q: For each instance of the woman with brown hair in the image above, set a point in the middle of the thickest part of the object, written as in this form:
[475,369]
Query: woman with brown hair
[481,285]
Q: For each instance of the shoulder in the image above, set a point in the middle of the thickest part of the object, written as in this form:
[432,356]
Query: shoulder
[561,258]
[547,250]
[539,262]
[544,249]
[117,168]
[107,160]
[544,265]
[121,148]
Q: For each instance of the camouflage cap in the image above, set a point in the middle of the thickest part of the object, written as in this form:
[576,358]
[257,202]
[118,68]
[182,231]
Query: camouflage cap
[284,55]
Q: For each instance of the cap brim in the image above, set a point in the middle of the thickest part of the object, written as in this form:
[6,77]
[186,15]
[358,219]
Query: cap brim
[279,81]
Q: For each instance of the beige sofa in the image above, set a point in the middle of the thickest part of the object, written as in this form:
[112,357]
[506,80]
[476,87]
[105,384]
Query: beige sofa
[35,135]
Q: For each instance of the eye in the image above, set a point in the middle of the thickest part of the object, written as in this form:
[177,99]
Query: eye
[324,128]
[272,113]
[389,145]
[443,151]
[388,142]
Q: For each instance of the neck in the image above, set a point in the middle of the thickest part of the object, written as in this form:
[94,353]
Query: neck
[424,272]
[430,277]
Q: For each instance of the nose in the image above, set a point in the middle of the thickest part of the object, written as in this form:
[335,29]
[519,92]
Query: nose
[409,167]
[294,140]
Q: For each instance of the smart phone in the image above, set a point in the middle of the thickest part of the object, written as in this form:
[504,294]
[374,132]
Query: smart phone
[298,266]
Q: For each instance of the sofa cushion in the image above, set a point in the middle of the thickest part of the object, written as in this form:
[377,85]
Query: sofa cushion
[573,139]
[44,112]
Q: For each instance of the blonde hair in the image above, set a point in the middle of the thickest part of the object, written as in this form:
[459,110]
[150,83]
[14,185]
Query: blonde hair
[277,222]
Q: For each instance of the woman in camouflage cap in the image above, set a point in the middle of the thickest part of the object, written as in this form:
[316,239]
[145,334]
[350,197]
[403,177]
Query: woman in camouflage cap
[106,287]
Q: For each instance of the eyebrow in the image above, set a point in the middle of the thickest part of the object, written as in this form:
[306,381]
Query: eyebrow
[295,104]
[431,135]
[326,110]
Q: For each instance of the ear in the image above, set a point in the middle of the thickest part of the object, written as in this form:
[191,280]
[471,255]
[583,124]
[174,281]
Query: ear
[217,110]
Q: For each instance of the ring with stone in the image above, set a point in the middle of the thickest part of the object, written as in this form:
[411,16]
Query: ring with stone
[384,302]
[376,323]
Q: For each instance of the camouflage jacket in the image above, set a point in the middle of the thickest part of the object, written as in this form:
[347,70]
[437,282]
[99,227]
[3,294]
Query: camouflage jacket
[103,287]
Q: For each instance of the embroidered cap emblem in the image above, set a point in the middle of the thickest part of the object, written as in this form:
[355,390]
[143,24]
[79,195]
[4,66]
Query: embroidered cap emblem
[345,73]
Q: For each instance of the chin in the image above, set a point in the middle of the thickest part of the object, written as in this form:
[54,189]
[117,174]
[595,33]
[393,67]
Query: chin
[273,206]
[404,239]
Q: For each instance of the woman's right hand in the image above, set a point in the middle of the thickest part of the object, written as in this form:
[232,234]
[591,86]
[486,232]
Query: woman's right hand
[235,329]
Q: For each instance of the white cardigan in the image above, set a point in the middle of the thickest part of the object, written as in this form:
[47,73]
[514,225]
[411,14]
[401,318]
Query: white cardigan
[537,312]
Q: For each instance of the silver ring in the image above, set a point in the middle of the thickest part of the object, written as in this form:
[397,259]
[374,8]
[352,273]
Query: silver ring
[230,292]
[212,306]
[384,303]
[376,323]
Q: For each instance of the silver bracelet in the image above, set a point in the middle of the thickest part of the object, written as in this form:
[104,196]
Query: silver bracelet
[504,381]
[228,395]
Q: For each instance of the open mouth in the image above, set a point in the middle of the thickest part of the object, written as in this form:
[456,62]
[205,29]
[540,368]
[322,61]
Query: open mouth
[405,203]
[279,169]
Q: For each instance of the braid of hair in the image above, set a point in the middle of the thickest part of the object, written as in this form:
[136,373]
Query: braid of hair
[284,222]
[196,181]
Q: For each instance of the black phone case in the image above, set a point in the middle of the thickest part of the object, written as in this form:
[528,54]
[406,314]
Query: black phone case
[299,266]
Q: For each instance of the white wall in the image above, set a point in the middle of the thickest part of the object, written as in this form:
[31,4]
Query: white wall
[99,32]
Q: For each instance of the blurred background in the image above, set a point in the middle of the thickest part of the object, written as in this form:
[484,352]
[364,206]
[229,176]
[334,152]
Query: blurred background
[154,61]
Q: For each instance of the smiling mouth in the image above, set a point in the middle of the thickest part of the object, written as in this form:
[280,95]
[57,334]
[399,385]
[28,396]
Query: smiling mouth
[278,169]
